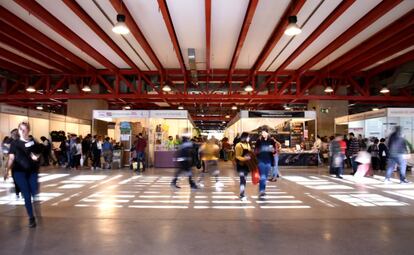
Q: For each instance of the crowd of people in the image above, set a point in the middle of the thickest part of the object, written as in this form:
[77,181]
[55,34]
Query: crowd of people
[23,155]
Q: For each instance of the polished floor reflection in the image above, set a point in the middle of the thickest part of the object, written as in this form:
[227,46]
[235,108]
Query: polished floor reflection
[114,212]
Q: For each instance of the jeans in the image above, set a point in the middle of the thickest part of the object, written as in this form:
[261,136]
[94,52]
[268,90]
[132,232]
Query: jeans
[276,167]
[354,164]
[141,158]
[392,161]
[243,176]
[264,169]
[28,185]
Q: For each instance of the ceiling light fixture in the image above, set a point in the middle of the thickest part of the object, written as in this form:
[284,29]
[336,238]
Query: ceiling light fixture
[328,89]
[39,107]
[292,29]
[127,107]
[234,107]
[375,109]
[287,107]
[166,88]
[30,89]
[384,90]
[120,26]
[227,116]
[180,107]
[86,88]
[248,88]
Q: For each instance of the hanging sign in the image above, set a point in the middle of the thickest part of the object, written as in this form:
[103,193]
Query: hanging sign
[169,114]
[400,112]
[120,114]
[276,114]
[13,110]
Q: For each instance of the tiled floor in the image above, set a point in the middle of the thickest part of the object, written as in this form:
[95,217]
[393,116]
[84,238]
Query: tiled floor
[118,212]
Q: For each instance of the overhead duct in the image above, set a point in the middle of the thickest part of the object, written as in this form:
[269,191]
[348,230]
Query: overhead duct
[192,64]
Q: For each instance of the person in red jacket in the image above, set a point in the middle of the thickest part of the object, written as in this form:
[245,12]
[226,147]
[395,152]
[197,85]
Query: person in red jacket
[140,146]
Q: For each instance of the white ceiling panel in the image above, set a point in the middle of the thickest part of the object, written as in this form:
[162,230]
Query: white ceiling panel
[226,22]
[303,14]
[347,19]
[149,19]
[122,41]
[74,23]
[311,25]
[188,17]
[381,23]
[45,29]
[265,19]
[19,53]
[389,58]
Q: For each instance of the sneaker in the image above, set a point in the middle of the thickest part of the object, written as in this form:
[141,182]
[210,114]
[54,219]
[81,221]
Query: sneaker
[405,181]
[387,181]
[32,223]
[194,186]
[200,184]
[243,198]
[274,179]
[219,184]
[17,197]
[339,177]
[175,186]
[262,195]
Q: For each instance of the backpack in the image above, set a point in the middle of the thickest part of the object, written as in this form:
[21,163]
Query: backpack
[73,150]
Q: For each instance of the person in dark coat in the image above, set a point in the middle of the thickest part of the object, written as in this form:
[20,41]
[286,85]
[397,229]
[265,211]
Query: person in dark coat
[184,159]
[383,154]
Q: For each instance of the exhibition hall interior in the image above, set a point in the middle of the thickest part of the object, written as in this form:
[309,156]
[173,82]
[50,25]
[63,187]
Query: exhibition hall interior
[206,126]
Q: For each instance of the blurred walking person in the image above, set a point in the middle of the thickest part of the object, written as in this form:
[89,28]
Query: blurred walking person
[373,149]
[96,149]
[353,150]
[243,153]
[184,159]
[397,148]
[107,152]
[210,155]
[337,156]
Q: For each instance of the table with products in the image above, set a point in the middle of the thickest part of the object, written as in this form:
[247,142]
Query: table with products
[301,158]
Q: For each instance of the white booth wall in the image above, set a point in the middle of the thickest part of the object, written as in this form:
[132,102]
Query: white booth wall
[39,127]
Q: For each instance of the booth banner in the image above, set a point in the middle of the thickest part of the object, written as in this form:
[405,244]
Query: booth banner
[120,114]
[13,110]
[38,114]
[375,114]
[72,120]
[85,122]
[356,117]
[57,117]
[276,114]
[341,120]
[400,112]
[171,114]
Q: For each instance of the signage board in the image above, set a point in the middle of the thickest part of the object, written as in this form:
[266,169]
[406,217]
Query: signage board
[120,114]
[13,110]
[276,114]
[169,114]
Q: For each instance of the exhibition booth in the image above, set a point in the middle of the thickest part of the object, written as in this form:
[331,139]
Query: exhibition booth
[294,130]
[378,124]
[41,123]
[162,129]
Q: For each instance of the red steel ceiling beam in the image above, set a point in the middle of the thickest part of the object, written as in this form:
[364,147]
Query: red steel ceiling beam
[407,57]
[292,10]
[198,98]
[28,42]
[77,9]
[23,61]
[372,16]
[377,39]
[173,36]
[339,10]
[41,13]
[9,66]
[251,9]
[121,8]
[386,51]
[32,53]
[208,34]
[14,21]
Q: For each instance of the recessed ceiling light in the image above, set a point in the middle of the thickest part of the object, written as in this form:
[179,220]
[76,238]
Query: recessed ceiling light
[30,89]
[375,109]
[227,116]
[384,90]
[180,107]
[39,107]
[234,107]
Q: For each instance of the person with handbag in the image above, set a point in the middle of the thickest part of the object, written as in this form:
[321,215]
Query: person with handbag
[242,150]
[265,147]
[24,161]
